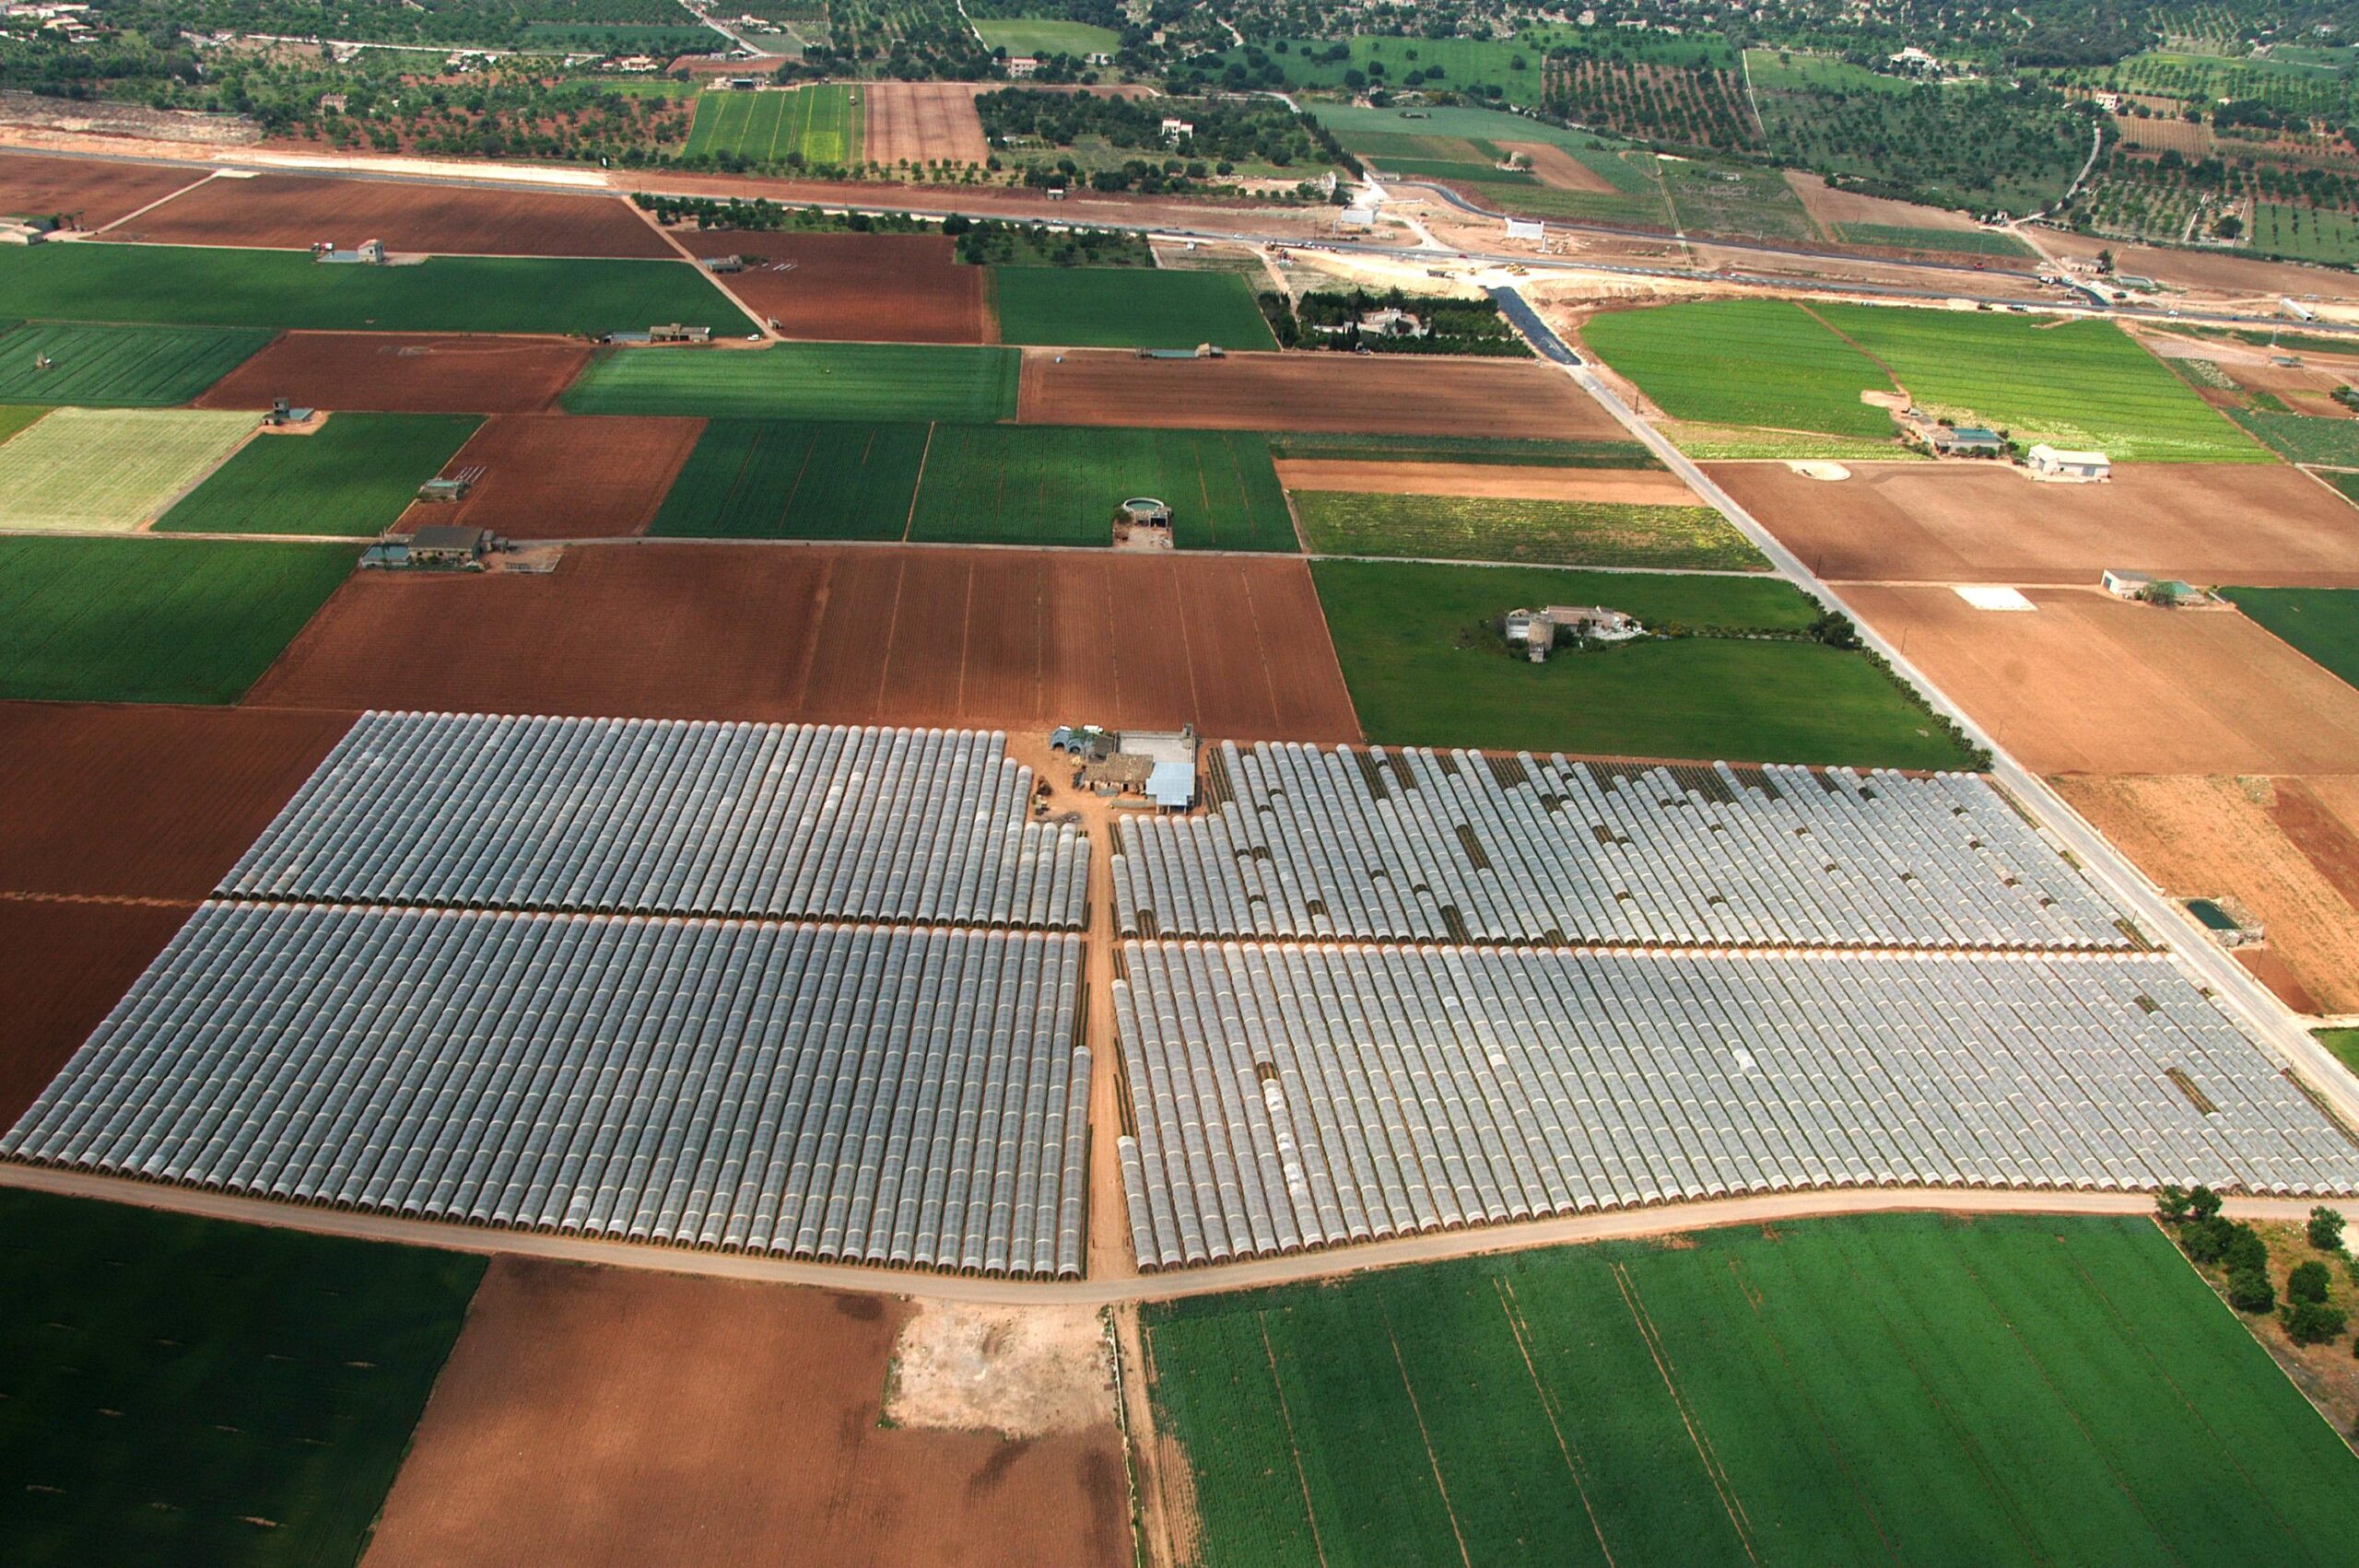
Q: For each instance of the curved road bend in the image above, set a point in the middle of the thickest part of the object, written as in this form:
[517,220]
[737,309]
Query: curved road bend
[2247,998]
[1618,1224]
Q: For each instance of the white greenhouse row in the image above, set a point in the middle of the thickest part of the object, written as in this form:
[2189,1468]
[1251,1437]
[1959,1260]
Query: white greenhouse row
[874,1095]
[1422,846]
[649,816]
[1288,1097]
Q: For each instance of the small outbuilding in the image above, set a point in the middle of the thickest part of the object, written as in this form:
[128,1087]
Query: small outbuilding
[2068,466]
[447,545]
[2126,584]
[1966,440]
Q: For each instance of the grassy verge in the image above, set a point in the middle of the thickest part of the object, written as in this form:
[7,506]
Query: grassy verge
[1468,528]
[353,477]
[2344,1043]
[1425,669]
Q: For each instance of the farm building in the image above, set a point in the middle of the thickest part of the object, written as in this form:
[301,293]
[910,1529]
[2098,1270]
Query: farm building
[448,545]
[371,254]
[2063,464]
[724,263]
[1538,630]
[1142,522]
[2125,584]
[1159,765]
[1966,440]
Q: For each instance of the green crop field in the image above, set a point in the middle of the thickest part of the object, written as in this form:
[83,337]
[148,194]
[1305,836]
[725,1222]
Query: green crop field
[1424,667]
[353,475]
[95,469]
[1468,528]
[153,619]
[1954,242]
[1892,1388]
[1760,362]
[189,1391]
[2305,234]
[2344,1043]
[820,124]
[119,367]
[2304,438]
[207,286]
[804,381]
[15,417]
[1127,308]
[1468,139]
[1735,443]
[1044,485]
[1046,35]
[1780,365]
[1514,66]
[772,479]
[2323,623]
[2076,383]
[1508,451]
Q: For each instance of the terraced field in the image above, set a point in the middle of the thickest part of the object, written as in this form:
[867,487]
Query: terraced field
[119,367]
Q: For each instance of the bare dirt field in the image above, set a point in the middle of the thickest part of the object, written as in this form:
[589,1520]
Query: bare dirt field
[922,123]
[2279,849]
[1410,395]
[93,192]
[565,477]
[143,801]
[592,1416]
[855,287]
[295,211]
[1831,206]
[2207,270]
[2264,527]
[1030,1370]
[844,634]
[1560,169]
[403,373]
[63,965]
[2090,684]
[1619,485]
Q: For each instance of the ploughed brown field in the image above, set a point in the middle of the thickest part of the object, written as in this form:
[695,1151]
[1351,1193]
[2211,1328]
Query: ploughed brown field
[839,634]
[855,287]
[565,477]
[1966,523]
[93,192]
[2285,850]
[922,123]
[296,211]
[1489,481]
[143,801]
[2205,269]
[1403,395]
[2090,684]
[63,965]
[594,1416]
[1555,167]
[403,373]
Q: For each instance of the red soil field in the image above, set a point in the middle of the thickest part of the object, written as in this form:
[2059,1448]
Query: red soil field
[565,477]
[94,192]
[854,287]
[2089,684]
[403,373]
[296,211]
[592,1416]
[839,634]
[1966,522]
[922,123]
[140,802]
[63,965]
[1407,396]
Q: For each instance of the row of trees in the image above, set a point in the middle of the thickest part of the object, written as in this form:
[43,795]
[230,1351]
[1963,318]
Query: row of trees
[2211,1239]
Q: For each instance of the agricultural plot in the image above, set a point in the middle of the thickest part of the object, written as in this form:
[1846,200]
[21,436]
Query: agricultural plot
[118,367]
[204,287]
[1041,484]
[2303,437]
[14,418]
[1528,452]
[1426,668]
[1127,308]
[559,476]
[63,965]
[1745,362]
[94,192]
[296,211]
[352,477]
[153,620]
[1476,528]
[2322,623]
[184,1390]
[775,479]
[1042,36]
[1737,443]
[405,373]
[1952,241]
[2305,234]
[854,287]
[1575,174]
[804,380]
[2011,1391]
[107,471]
[812,125]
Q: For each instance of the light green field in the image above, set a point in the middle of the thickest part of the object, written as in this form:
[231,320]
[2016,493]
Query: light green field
[1042,36]
[2305,234]
[820,124]
[1127,308]
[1468,528]
[804,380]
[353,475]
[120,367]
[1887,1390]
[107,470]
[1048,484]
[1736,443]
[1757,362]
[1956,241]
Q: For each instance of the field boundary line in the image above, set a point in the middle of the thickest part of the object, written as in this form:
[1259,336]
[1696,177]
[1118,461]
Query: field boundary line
[1262,1322]
[206,178]
[1433,1461]
[1269,667]
[1720,1482]
[1511,1310]
[917,487]
[761,322]
[1855,345]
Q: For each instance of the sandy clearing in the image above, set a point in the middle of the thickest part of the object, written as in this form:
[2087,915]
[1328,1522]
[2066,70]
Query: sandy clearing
[1018,1371]
[1623,486]
[1831,206]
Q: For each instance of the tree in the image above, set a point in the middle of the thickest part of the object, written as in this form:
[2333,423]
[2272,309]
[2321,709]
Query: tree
[2250,1290]
[2202,1202]
[2230,227]
[2325,1229]
[2308,1282]
[2312,1322]
[2170,1205]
